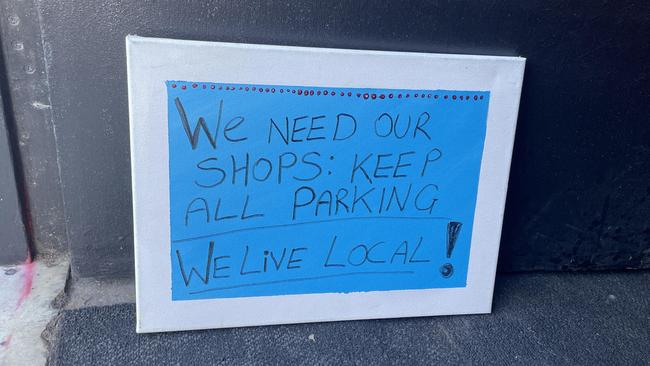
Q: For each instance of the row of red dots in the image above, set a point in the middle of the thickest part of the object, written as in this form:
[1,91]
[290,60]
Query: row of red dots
[307,92]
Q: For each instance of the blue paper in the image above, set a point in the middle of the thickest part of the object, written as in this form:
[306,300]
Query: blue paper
[281,190]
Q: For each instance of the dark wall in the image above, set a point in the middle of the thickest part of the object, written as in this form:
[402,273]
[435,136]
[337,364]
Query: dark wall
[579,194]
[13,246]
[25,89]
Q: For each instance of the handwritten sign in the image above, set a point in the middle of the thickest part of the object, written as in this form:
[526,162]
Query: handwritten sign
[278,190]
[275,194]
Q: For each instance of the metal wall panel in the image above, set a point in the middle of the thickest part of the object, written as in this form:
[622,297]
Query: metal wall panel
[13,242]
[28,110]
[579,196]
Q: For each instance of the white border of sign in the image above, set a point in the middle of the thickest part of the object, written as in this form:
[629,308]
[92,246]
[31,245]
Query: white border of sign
[152,61]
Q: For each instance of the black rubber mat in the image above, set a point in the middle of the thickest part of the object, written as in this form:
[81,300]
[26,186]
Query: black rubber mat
[538,319]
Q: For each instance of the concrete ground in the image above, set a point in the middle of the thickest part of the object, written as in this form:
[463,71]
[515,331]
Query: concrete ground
[538,319]
[29,299]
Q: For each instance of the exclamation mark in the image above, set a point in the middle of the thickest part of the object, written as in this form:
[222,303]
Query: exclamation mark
[453,230]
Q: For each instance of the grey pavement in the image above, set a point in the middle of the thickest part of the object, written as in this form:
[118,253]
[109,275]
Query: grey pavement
[29,294]
[537,319]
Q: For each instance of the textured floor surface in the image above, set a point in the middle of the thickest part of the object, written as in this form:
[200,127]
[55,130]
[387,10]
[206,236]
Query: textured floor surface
[538,319]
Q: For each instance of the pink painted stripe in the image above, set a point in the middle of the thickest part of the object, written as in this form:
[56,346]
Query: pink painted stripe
[28,278]
[6,342]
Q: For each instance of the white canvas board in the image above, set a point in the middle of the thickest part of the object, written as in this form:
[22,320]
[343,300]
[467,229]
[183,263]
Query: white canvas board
[276,184]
